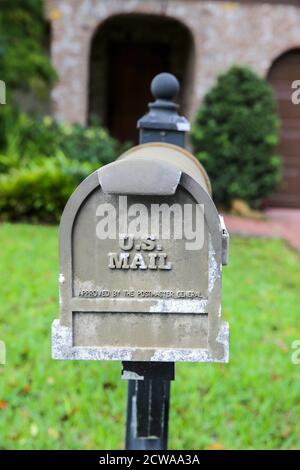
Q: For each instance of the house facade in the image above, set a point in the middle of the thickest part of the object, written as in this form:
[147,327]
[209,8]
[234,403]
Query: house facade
[107,51]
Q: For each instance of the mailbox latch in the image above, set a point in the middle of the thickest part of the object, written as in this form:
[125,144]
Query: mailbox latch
[225,241]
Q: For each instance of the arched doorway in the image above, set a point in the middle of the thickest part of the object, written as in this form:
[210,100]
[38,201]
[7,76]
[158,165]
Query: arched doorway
[127,51]
[283,72]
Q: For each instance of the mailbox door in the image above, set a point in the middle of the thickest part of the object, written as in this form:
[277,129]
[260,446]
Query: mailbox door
[130,291]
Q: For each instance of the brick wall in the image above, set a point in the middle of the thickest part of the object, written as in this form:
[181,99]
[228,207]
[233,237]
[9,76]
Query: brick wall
[224,33]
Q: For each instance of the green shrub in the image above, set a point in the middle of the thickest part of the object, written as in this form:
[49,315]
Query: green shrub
[29,138]
[24,62]
[235,135]
[38,192]
[84,144]
[43,163]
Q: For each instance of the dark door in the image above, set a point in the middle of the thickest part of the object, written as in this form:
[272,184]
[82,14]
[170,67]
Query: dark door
[131,69]
[282,74]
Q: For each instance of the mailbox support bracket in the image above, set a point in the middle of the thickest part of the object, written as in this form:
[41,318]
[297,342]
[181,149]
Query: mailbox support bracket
[148,404]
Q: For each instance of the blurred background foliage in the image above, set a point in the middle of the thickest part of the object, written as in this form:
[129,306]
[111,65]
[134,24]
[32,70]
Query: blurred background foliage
[235,132]
[23,60]
[24,64]
[41,161]
[235,135]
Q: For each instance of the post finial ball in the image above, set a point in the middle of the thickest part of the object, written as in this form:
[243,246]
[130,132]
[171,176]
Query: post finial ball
[164,86]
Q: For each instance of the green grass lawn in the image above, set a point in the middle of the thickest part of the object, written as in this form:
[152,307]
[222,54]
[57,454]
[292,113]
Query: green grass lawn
[251,403]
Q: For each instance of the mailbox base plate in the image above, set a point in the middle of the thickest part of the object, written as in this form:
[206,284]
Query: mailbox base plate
[62,348]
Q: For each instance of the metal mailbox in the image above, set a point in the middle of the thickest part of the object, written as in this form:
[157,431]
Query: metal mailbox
[141,253]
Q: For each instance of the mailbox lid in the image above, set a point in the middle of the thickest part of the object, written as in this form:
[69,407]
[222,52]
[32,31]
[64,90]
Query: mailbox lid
[139,176]
[157,169]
